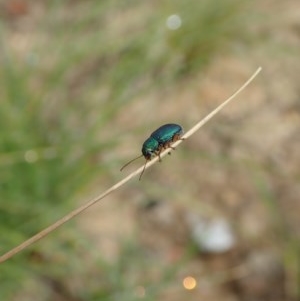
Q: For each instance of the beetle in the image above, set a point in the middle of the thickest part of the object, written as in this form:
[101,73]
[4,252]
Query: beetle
[159,140]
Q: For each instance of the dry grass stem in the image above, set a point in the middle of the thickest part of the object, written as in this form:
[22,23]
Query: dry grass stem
[77,211]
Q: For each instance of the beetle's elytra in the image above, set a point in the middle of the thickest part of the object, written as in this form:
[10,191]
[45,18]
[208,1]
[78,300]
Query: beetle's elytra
[160,139]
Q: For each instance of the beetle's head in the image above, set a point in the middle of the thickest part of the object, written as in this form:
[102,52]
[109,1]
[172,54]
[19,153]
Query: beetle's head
[150,148]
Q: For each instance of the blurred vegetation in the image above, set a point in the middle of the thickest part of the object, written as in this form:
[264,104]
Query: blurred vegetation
[64,78]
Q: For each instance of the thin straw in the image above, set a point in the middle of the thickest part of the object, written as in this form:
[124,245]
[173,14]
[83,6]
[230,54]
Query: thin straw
[93,201]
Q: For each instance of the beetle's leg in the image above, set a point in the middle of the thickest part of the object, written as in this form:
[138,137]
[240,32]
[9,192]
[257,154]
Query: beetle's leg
[168,145]
[159,160]
[177,137]
[158,152]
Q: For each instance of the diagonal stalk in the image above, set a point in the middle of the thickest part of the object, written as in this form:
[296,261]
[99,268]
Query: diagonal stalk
[95,200]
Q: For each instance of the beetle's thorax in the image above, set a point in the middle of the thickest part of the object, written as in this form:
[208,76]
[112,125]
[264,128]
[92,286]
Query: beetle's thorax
[150,147]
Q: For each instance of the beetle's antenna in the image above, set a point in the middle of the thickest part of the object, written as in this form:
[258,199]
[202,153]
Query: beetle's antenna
[143,170]
[130,162]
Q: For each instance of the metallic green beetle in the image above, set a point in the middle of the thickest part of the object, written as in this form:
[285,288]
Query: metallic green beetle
[160,139]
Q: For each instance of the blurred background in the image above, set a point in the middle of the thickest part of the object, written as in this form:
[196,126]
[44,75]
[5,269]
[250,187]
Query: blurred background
[84,83]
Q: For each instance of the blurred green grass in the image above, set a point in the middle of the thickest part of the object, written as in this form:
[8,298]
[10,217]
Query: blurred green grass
[82,64]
